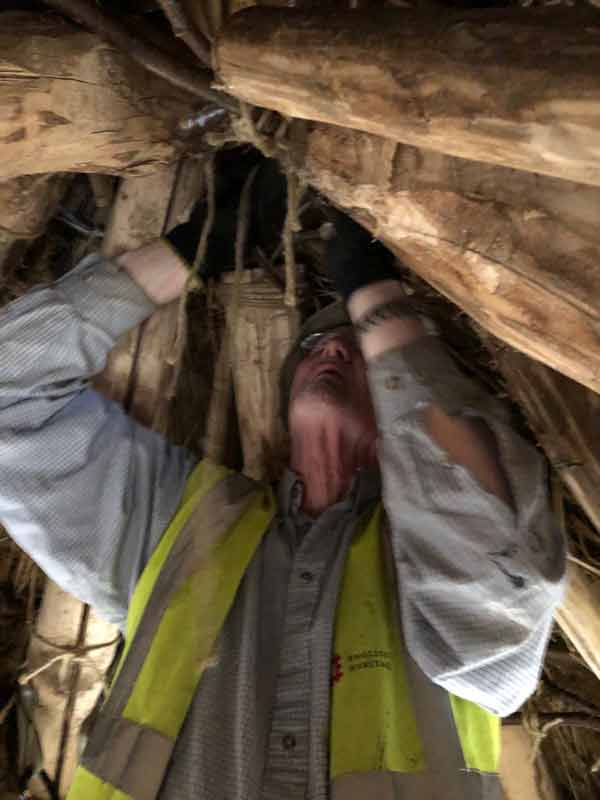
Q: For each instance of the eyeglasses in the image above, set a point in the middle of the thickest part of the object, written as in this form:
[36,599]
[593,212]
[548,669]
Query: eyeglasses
[318,340]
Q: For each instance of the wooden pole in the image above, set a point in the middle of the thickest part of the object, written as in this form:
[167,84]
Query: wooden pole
[263,334]
[184,30]
[137,217]
[521,778]
[514,88]
[66,688]
[71,102]
[519,253]
[579,616]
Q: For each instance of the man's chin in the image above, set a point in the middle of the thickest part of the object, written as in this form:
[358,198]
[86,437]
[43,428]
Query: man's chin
[324,397]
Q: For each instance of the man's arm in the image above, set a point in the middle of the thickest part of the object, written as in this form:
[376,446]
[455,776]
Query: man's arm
[83,489]
[466,441]
[479,560]
[157,270]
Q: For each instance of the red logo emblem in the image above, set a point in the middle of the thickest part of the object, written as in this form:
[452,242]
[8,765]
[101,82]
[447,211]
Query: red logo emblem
[337,673]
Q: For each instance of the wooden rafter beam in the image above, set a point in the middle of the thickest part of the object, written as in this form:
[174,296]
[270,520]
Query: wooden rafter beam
[514,88]
[520,253]
[71,102]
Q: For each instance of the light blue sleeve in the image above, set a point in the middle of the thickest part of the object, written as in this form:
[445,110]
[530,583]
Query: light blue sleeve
[85,490]
[478,582]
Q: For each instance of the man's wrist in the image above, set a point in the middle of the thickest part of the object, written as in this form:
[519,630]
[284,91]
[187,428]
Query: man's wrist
[157,269]
[368,297]
[383,318]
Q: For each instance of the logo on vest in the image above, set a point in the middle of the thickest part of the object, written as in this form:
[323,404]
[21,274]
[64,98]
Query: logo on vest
[337,673]
[355,662]
[370,659]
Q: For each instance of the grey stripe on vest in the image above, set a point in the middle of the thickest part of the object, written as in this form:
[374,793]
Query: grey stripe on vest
[411,786]
[135,759]
[208,522]
[444,760]
[323,628]
[446,776]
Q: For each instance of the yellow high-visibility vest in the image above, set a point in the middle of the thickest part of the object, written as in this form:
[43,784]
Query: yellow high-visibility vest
[377,749]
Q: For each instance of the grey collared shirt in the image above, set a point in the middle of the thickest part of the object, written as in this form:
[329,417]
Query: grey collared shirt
[88,493]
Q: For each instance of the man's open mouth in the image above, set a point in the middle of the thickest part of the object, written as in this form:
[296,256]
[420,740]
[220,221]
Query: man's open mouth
[328,369]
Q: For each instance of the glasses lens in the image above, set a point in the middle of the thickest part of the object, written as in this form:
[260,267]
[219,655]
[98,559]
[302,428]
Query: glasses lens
[315,341]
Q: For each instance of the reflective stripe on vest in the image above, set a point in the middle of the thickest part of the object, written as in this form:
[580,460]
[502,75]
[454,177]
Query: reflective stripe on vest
[394,733]
[186,592]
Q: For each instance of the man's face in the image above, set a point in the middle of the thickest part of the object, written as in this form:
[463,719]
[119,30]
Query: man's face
[332,380]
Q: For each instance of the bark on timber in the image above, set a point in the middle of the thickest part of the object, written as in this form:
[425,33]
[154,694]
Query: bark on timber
[520,253]
[152,58]
[26,205]
[70,102]
[514,88]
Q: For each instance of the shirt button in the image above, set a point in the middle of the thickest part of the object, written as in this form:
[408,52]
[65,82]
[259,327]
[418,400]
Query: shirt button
[289,741]
[306,576]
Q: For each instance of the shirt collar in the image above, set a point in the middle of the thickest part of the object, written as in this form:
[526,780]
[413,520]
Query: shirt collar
[365,488]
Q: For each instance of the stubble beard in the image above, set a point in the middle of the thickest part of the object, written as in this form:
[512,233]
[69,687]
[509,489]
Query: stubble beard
[325,390]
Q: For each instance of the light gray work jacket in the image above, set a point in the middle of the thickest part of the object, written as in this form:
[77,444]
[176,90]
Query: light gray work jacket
[87,492]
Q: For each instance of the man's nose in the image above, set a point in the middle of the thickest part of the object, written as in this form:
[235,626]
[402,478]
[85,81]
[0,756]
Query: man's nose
[336,347]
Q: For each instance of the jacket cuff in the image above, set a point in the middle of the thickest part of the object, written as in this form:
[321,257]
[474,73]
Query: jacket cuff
[105,296]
